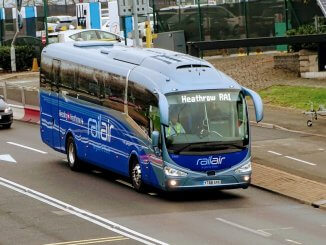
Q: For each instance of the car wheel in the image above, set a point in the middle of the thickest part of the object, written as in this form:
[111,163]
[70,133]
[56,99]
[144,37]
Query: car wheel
[73,161]
[136,177]
[309,123]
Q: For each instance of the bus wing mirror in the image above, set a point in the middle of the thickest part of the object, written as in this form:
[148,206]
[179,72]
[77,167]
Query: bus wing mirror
[164,110]
[155,138]
[258,103]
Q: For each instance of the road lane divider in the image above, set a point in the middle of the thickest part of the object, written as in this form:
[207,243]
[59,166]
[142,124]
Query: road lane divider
[257,232]
[292,241]
[91,241]
[293,158]
[275,153]
[93,218]
[27,147]
[299,160]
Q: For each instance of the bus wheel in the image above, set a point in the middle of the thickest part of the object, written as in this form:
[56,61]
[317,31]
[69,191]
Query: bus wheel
[73,161]
[136,177]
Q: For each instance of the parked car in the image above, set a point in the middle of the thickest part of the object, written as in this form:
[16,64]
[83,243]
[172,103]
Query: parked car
[87,35]
[217,21]
[67,26]
[53,21]
[6,114]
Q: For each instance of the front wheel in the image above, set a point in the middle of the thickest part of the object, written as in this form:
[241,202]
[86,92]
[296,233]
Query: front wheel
[136,177]
[73,161]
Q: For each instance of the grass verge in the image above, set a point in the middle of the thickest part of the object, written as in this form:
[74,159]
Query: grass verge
[294,96]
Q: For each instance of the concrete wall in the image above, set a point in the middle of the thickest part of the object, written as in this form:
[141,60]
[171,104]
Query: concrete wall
[300,63]
[287,61]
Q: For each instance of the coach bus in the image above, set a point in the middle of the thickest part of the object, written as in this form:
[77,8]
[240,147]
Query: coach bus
[164,119]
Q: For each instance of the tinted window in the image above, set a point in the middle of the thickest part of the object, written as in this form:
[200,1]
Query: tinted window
[88,35]
[67,74]
[45,74]
[112,90]
[75,36]
[56,71]
[142,107]
[107,36]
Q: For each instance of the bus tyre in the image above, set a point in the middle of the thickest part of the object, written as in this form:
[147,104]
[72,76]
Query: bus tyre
[136,177]
[73,161]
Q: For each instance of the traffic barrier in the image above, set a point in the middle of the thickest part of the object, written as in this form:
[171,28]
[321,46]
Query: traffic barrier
[31,115]
[26,114]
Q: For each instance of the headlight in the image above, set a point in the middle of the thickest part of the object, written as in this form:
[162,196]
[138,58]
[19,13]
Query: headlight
[8,110]
[244,168]
[174,172]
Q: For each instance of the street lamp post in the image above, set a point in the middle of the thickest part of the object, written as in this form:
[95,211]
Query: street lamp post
[45,10]
[12,48]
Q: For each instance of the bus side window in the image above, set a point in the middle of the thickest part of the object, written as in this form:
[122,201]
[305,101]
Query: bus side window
[113,92]
[67,75]
[45,74]
[140,103]
[56,72]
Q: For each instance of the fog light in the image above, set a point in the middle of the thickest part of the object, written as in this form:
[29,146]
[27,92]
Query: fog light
[173,182]
[246,178]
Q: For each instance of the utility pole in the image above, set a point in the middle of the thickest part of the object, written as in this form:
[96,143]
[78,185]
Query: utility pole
[136,31]
[12,48]
[45,10]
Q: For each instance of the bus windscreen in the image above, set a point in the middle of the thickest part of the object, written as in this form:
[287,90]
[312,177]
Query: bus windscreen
[207,122]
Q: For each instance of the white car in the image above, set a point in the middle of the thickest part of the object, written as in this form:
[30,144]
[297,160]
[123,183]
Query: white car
[87,35]
[53,21]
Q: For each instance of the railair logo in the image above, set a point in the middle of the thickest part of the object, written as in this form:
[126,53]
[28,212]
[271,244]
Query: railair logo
[100,129]
[210,161]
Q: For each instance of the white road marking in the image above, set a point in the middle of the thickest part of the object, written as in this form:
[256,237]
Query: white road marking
[275,153]
[321,149]
[7,158]
[274,229]
[124,183]
[257,232]
[296,159]
[93,218]
[27,147]
[295,242]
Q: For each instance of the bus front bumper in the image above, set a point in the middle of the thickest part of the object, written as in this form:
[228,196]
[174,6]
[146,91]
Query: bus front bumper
[211,182]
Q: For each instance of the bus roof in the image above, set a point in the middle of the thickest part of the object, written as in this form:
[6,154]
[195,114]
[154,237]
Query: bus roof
[158,69]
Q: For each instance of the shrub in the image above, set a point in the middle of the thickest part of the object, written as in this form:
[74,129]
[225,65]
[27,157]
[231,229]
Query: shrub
[24,57]
[305,30]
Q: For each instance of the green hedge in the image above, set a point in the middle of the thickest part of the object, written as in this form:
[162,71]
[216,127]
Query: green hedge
[24,57]
[305,30]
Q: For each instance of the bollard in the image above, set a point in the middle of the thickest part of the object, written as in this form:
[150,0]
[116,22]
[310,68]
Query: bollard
[23,95]
[5,90]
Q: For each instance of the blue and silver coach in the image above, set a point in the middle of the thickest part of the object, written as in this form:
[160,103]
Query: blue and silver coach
[162,118]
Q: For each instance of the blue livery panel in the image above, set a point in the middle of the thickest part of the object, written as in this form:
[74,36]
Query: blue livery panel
[202,163]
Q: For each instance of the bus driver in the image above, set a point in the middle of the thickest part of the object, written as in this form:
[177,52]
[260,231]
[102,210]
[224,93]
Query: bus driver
[175,127]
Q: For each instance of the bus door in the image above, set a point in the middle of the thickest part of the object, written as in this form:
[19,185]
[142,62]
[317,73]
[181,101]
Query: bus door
[56,143]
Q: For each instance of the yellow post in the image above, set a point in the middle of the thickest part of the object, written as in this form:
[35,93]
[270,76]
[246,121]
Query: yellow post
[148,34]
[35,67]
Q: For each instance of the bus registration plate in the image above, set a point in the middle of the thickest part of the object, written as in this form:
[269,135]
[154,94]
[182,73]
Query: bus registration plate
[212,182]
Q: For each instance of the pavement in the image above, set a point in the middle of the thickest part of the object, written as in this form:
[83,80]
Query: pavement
[274,179]
[6,76]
